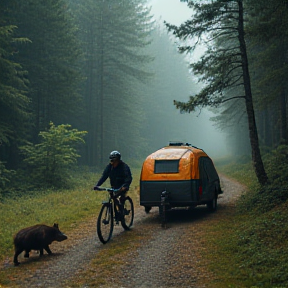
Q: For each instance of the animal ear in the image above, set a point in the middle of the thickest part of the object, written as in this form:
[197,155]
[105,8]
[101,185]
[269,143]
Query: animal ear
[56,225]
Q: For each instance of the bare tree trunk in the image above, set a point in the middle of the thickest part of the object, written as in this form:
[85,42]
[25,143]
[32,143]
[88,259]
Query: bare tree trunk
[101,99]
[256,155]
[89,104]
[283,118]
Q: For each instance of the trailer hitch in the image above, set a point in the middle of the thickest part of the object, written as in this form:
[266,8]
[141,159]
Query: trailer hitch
[165,198]
[164,207]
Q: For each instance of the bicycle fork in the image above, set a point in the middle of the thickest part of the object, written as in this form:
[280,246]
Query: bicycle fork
[108,214]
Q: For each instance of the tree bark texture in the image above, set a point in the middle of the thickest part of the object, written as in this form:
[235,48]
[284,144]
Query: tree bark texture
[283,118]
[256,155]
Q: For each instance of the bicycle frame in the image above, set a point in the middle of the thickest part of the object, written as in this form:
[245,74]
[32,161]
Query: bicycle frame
[112,198]
[111,211]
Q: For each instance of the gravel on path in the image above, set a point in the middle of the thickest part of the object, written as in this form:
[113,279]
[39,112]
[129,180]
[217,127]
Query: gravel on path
[170,258]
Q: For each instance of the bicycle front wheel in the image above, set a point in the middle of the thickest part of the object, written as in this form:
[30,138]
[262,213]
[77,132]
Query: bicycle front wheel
[128,213]
[105,223]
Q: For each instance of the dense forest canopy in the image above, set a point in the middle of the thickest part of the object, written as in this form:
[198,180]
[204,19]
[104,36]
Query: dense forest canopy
[109,68]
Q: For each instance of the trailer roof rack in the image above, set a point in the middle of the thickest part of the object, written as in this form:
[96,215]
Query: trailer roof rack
[174,143]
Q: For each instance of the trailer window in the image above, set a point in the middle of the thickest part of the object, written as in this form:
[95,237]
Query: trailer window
[166,166]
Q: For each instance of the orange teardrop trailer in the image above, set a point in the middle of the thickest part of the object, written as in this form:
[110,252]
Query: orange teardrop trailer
[186,173]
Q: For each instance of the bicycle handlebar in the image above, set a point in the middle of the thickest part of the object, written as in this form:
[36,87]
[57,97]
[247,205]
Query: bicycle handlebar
[108,189]
[104,189]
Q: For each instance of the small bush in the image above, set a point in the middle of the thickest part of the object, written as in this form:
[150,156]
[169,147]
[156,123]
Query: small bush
[276,165]
[49,162]
[262,199]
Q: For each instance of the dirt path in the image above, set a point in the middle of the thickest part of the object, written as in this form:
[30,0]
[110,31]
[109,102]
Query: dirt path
[170,258]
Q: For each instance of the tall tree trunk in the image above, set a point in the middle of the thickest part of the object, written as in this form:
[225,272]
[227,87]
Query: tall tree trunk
[256,155]
[90,94]
[283,118]
[101,92]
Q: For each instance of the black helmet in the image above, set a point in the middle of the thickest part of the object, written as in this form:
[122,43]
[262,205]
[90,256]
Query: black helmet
[115,155]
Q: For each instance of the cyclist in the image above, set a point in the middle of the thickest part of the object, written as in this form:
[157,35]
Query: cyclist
[119,174]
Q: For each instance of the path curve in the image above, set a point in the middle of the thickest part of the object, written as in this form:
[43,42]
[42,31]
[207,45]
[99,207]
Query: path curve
[169,259]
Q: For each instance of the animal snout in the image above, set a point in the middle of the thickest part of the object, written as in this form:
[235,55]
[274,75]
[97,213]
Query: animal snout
[61,237]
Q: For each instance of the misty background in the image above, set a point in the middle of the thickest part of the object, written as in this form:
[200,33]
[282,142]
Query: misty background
[195,128]
[106,67]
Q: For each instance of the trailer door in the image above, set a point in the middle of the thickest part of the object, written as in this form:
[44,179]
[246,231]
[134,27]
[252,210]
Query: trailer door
[208,177]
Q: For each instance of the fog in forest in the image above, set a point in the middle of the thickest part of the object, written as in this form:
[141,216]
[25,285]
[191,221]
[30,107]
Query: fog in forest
[111,71]
[109,68]
[194,128]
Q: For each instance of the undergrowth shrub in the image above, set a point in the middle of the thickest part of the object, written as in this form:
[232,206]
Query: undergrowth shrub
[254,239]
[275,193]
[49,162]
[23,186]
[276,165]
[263,199]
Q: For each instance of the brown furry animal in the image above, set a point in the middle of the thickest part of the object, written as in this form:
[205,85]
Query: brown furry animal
[37,237]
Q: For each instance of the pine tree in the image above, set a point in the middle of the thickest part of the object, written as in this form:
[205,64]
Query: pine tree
[50,60]
[267,34]
[223,68]
[14,103]
[114,34]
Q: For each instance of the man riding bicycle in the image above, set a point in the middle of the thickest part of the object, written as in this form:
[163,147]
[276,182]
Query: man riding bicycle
[119,174]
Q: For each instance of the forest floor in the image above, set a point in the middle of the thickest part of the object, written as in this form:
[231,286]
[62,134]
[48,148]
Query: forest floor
[167,257]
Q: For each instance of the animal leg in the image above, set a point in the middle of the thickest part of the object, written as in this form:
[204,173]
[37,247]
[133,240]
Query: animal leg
[26,255]
[48,249]
[17,253]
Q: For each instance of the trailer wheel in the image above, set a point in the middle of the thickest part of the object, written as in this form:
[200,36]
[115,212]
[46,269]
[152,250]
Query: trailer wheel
[212,205]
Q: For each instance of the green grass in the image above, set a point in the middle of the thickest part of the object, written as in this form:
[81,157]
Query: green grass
[65,207]
[250,251]
[111,259]
[250,246]
[69,208]
[239,169]
[247,249]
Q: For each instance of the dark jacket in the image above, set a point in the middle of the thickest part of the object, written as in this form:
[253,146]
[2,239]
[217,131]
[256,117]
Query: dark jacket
[120,175]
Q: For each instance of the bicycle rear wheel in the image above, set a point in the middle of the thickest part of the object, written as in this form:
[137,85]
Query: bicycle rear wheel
[128,213]
[105,223]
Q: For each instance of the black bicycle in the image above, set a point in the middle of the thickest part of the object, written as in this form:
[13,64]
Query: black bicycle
[112,210]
